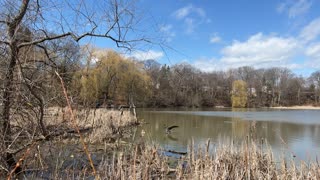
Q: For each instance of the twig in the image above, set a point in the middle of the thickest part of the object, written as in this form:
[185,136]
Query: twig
[20,161]
[134,162]
[75,125]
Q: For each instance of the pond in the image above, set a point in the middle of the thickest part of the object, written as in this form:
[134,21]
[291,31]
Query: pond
[293,133]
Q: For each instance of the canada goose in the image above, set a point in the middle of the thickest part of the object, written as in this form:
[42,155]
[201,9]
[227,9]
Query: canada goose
[168,129]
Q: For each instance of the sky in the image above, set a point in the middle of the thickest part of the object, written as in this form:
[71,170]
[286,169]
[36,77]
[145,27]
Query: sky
[218,35]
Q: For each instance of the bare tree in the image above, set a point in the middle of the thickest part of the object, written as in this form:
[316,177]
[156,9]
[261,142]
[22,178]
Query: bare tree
[315,80]
[29,27]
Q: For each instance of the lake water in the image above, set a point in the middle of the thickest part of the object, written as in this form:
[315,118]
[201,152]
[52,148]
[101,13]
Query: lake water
[295,133]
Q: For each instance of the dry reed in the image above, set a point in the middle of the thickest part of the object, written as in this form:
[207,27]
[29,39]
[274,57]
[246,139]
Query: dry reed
[222,161]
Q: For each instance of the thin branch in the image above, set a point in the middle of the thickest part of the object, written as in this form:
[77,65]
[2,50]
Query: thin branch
[120,43]
[44,39]
[4,42]
[85,148]
[4,22]
[19,163]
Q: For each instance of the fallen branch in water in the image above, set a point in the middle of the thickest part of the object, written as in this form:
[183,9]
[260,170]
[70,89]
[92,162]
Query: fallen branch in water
[177,152]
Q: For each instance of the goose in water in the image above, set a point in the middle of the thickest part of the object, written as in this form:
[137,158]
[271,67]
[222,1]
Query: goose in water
[168,129]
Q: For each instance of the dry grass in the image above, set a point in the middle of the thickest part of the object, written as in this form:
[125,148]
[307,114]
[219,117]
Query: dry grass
[225,161]
[141,163]
[104,124]
[246,161]
[99,125]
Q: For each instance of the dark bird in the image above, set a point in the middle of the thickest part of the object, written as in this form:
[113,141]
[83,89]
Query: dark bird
[168,129]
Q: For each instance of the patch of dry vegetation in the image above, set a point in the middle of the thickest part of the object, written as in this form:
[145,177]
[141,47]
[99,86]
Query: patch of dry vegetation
[246,161]
[102,124]
[225,161]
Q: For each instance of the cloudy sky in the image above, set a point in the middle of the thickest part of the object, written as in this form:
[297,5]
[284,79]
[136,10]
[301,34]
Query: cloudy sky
[217,35]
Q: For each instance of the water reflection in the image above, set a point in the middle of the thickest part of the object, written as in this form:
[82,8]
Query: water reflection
[297,132]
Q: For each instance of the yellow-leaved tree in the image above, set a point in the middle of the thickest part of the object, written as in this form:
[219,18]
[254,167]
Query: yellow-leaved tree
[239,94]
[112,78]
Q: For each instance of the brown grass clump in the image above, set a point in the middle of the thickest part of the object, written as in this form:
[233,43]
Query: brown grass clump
[104,124]
[141,163]
[245,161]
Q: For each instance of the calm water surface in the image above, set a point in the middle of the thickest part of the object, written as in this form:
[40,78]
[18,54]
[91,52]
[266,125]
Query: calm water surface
[289,132]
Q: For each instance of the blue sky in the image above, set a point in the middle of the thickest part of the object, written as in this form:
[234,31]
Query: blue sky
[218,35]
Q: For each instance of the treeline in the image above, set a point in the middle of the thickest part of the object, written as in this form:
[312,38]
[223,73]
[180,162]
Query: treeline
[184,85]
[99,77]
[114,79]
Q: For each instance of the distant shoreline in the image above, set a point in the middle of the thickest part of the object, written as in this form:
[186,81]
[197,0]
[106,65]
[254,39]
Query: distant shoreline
[297,107]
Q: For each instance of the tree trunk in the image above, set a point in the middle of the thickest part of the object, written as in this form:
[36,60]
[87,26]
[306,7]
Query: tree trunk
[279,98]
[7,94]
[299,96]
[8,82]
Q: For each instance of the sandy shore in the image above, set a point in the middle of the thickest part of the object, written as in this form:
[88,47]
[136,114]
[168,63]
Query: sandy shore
[296,107]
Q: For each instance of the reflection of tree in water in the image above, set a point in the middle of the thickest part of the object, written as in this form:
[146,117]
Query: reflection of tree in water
[172,138]
[200,128]
[240,128]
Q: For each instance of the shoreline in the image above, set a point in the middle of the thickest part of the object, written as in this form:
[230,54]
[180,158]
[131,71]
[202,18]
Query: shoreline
[297,107]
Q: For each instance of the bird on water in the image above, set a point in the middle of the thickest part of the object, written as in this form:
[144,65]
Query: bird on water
[169,129]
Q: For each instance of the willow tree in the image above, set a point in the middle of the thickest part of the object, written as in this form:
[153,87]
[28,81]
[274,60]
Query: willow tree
[111,78]
[43,22]
[239,94]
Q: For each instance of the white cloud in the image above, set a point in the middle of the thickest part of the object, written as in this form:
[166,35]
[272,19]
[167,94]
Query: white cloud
[294,8]
[182,12]
[165,28]
[191,16]
[187,10]
[145,55]
[213,64]
[263,51]
[260,49]
[200,12]
[298,8]
[207,65]
[167,31]
[313,56]
[215,39]
[190,25]
[313,51]
[311,31]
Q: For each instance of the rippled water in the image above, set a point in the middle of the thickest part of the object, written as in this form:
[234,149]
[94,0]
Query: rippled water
[290,132]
